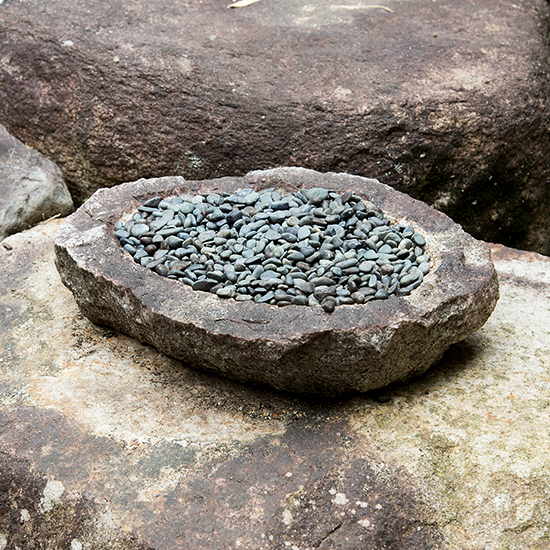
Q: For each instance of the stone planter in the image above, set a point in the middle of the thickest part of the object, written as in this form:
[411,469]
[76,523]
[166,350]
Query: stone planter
[296,348]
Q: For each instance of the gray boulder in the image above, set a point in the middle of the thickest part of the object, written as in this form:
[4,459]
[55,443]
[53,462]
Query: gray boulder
[31,187]
[295,348]
[446,101]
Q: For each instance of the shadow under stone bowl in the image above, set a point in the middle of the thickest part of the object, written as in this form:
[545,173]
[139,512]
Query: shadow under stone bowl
[295,348]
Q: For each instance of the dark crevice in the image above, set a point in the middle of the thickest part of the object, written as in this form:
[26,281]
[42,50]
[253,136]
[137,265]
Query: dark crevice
[330,533]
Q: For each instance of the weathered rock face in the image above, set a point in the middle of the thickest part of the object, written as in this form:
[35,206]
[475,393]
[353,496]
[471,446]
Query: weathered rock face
[39,512]
[296,348]
[31,187]
[446,101]
[107,443]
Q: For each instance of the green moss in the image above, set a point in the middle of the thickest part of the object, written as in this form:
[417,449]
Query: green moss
[193,162]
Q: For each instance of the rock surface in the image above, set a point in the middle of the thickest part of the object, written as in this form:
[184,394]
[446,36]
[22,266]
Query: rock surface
[31,187]
[446,101]
[106,443]
[295,348]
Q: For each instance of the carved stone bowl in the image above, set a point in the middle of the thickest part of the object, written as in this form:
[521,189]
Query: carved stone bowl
[296,348]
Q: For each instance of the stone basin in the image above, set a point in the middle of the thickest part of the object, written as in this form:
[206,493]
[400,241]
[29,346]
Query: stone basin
[295,348]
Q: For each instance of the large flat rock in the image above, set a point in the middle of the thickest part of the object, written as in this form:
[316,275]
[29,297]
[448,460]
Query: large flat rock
[293,348]
[444,100]
[106,443]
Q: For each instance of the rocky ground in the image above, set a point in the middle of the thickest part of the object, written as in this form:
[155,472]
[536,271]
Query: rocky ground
[106,443]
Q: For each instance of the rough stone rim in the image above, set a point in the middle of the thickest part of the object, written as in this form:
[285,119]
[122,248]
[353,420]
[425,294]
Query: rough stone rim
[420,216]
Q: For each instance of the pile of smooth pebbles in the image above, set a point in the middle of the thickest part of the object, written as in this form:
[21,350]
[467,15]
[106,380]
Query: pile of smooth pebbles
[311,247]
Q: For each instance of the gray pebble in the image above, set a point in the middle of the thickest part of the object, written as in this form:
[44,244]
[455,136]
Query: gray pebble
[139,229]
[265,298]
[281,295]
[272,235]
[243,297]
[316,195]
[296,257]
[424,268]
[280,205]
[370,255]
[251,198]
[305,248]
[381,294]
[121,233]
[352,262]
[329,304]
[303,286]
[269,274]
[322,292]
[203,284]
[228,291]
[366,267]
[173,241]
[418,239]
[408,231]
[409,278]
[162,270]
[325,281]
[303,233]
[423,258]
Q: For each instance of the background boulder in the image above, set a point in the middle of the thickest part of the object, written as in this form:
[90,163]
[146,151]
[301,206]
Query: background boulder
[31,187]
[444,100]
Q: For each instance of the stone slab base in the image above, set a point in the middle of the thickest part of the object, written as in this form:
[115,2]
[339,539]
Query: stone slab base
[150,454]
